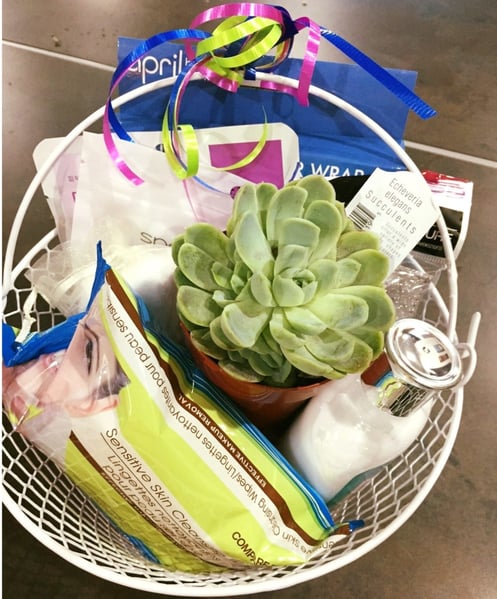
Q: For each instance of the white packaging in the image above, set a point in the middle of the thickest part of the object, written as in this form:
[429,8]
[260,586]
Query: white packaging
[92,201]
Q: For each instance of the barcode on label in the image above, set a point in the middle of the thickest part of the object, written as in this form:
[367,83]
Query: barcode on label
[362,217]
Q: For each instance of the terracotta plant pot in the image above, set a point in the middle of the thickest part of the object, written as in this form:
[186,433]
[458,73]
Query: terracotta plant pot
[269,408]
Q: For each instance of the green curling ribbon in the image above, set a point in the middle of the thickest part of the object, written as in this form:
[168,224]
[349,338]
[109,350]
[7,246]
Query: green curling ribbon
[252,155]
[255,50]
[258,36]
[190,145]
[236,49]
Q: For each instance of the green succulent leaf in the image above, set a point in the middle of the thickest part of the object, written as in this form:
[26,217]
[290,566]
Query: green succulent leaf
[202,340]
[223,297]
[270,340]
[291,256]
[278,373]
[375,340]
[282,331]
[197,305]
[245,293]
[354,241]
[326,274]
[347,272]
[341,311]
[303,321]
[287,292]
[289,281]
[209,239]
[347,224]
[286,203]
[217,335]
[197,266]
[260,286]
[359,359]
[245,201]
[328,219]
[241,275]
[241,269]
[252,245]
[231,250]
[282,375]
[237,283]
[374,266]
[302,359]
[318,188]
[309,290]
[242,322]
[381,311]
[265,192]
[299,231]
[241,371]
[235,356]
[331,345]
[178,241]
[260,346]
[276,360]
[259,364]
[180,279]
[222,275]
[187,323]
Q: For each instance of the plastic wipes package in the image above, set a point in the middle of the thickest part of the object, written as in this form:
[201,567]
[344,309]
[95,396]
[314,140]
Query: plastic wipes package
[162,452]
[91,200]
[147,269]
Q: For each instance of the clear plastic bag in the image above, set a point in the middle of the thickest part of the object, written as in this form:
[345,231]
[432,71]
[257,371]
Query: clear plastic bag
[164,453]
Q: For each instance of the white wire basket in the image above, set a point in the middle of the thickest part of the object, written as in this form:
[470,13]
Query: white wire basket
[50,507]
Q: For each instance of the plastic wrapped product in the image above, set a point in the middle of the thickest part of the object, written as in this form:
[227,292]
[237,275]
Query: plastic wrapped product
[163,453]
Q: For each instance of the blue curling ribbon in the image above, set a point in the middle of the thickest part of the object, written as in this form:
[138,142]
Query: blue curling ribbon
[290,29]
[355,525]
[130,59]
[415,103]
[176,88]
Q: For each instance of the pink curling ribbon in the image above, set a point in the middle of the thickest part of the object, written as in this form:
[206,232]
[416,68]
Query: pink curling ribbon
[110,120]
[278,15]
[237,48]
[252,30]
[250,25]
[308,64]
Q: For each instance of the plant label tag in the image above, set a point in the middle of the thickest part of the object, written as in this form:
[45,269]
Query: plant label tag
[398,207]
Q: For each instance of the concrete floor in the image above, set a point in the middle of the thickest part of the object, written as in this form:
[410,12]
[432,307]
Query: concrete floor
[53,76]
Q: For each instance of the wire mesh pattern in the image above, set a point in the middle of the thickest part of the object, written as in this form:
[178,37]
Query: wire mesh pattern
[56,512]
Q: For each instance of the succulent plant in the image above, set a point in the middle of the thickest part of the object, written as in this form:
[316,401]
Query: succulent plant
[290,291]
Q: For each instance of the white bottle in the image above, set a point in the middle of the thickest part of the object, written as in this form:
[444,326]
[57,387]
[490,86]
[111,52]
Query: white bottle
[342,433]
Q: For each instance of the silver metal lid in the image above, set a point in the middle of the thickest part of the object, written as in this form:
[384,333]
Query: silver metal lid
[422,355]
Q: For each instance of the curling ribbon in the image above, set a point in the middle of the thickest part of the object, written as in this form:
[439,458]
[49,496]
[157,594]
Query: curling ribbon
[109,116]
[247,33]
[236,49]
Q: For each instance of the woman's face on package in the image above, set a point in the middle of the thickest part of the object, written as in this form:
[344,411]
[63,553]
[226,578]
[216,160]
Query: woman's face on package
[85,379]
[89,378]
